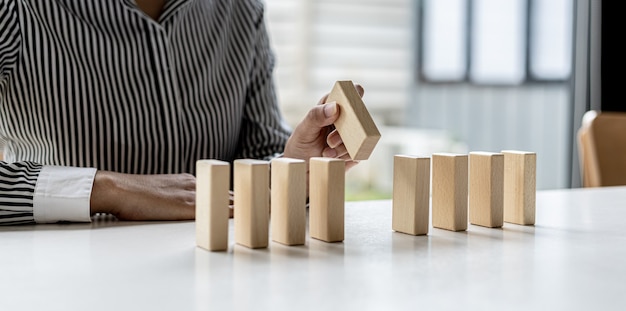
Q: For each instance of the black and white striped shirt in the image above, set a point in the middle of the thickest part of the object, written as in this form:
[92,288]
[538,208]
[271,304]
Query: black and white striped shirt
[88,85]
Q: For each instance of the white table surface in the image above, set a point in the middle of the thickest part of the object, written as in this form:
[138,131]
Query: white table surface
[574,258]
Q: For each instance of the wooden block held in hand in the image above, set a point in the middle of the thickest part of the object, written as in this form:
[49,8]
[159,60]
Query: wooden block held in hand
[326,199]
[519,186]
[288,201]
[449,193]
[251,198]
[212,212]
[411,194]
[486,180]
[355,125]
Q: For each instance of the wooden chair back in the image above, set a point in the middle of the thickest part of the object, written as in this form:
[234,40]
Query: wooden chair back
[602,149]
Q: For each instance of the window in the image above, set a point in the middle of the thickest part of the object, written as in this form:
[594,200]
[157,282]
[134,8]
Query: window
[444,55]
[493,42]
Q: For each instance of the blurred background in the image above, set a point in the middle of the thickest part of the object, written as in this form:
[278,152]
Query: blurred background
[445,76]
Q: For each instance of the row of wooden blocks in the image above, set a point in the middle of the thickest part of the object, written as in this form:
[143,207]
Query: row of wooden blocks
[493,187]
[254,197]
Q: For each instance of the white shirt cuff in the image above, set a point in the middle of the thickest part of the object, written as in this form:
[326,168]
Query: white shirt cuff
[63,194]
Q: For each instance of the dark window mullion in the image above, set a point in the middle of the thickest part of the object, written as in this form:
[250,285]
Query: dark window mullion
[468,42]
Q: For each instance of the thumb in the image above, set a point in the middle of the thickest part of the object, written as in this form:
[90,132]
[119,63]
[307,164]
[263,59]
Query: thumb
[321,116]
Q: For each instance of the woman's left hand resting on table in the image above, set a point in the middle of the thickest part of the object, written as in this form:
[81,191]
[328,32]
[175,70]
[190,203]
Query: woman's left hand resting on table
[172,196]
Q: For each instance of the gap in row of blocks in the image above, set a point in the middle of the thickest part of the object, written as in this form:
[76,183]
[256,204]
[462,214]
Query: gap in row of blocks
[493,187]
[253,196]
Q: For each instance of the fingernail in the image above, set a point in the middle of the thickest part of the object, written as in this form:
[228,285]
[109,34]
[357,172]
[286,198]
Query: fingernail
[330,109]
[334,140]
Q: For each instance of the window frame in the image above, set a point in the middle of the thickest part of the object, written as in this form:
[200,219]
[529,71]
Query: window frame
[529,77]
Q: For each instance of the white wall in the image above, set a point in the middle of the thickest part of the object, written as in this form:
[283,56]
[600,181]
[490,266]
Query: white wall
[531,118]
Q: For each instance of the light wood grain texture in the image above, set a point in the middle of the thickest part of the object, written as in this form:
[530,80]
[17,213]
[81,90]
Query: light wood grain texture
[212,213]
[411,194]
[288,201]
[355,125]
[326,199]
[449,193]
[519,186]
[251,201]
[602,148]
[486,189]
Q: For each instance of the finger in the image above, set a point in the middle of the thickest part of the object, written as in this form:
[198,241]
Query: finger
[360,89]
[342,151]
[339,152]
[334,139]
[351,164]
[329,153]
[231,203]
[346,157]
[323,99]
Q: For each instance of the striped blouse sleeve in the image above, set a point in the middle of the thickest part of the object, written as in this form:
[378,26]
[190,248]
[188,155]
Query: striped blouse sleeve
[9,40]
[264,132]
[17,187]
[17,180]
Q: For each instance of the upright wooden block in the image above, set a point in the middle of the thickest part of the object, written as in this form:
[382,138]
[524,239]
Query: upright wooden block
[355,125]
[411,194]
[288,201]
[519,186]
[326,199]
[212,213]
[251,198]
[486,177]
[449,194]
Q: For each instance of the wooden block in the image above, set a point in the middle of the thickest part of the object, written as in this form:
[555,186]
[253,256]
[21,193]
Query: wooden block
[251,200]
[486,191]
[326,199]
[212,212]
[288,201]
[449,193]
[411,194]
[519,186]
[355,125]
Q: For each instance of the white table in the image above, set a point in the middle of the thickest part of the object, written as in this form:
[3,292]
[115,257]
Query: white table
[574,258]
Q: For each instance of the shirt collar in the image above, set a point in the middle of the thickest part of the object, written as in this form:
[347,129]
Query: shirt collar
[172,7]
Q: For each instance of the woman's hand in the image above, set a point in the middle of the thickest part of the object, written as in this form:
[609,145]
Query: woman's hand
[315,135]
[144,197]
